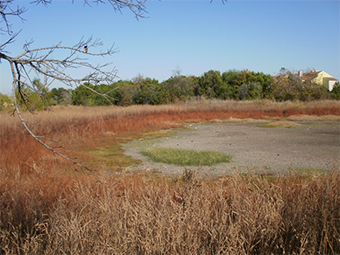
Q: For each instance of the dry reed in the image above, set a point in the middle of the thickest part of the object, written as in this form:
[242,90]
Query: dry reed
[135,214]
[48,208]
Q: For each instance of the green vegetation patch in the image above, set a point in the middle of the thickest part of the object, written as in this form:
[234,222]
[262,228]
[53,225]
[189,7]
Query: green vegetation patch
[111,157]
[184,157]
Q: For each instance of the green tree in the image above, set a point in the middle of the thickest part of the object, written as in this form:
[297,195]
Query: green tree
[61,96]
[246,76]
[147,91]
[35,97]
[110,92]
[231,77]
[250,90]
[268,84]
[6,102]
[126,91]
[335,93]
[94,95]
[177,88]
[41,93]
[210,84]
[82,95]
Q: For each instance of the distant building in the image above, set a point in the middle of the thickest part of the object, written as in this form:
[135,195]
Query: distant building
[325,79]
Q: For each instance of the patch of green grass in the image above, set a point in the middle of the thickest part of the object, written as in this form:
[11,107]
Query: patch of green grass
[112,156]
[184,157]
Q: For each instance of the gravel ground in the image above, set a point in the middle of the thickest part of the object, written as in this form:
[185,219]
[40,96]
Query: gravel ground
[305,144]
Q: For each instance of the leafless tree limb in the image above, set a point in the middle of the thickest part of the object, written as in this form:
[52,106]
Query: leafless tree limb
[6,10]
[47,62]
[42,61]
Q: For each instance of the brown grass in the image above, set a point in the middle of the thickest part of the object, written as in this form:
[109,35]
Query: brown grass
[135,214]
[48,208]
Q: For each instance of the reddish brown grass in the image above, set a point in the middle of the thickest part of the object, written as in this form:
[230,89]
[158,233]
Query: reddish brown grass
[48,208]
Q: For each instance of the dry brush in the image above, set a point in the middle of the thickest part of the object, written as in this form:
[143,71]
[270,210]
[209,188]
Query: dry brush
[48,208]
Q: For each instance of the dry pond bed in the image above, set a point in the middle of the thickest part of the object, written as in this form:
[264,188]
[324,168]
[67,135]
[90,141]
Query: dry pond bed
[261,146]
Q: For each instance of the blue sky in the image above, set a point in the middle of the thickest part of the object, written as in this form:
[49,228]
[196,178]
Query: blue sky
[194,36]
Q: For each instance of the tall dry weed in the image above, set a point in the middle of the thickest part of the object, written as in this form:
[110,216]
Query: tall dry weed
[135,214]
[48,208]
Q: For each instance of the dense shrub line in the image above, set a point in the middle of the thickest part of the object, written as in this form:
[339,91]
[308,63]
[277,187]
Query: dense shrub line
[235,85]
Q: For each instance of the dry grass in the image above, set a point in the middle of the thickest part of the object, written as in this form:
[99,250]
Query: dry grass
[135,214]
[85,128]
[281,123]
[48,208]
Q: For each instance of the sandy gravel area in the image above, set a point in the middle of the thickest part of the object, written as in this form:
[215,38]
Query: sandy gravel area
[297,144]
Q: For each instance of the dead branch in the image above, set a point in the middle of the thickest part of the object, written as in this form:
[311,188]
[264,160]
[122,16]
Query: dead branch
[41,61]
[47,61]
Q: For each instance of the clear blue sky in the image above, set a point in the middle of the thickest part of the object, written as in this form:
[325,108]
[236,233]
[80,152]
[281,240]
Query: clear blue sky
[194,36]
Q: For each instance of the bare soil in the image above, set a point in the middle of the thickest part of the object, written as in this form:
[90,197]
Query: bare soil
[259,146]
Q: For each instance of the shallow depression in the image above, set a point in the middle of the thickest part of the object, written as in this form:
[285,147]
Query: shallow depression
[304,145]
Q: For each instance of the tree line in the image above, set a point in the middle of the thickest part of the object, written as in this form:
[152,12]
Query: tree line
[237,85]
[232,85]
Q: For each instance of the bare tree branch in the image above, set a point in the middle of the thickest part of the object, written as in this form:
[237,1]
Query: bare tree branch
[42,61]
[47,61]
[36,137]
[135,6]
[223,1]
[7,10]
[52,149]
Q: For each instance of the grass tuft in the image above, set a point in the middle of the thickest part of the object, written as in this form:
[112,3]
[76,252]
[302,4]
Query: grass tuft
[184,157]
